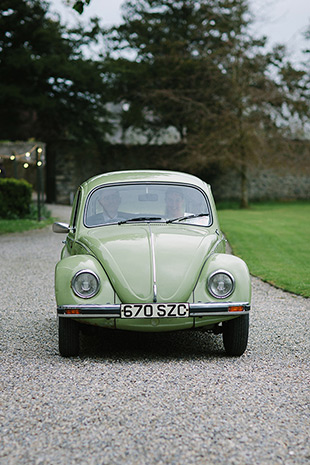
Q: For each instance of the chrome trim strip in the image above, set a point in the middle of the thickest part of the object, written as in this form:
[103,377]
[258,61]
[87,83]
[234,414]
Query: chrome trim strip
[192,315]
[91,311]
[218,308]
[206,305]
[114,311]
[153,264]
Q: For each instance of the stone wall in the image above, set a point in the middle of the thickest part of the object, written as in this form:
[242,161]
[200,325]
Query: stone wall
[68,165]
[286,177]
[266,184]
[65,179]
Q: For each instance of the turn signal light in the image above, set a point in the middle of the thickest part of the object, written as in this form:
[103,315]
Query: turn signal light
[235,309]
[73,311]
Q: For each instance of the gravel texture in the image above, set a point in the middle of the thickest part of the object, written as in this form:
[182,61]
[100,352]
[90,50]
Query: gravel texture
[147,398]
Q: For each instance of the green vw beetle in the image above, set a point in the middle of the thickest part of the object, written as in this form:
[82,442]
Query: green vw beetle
[144,252]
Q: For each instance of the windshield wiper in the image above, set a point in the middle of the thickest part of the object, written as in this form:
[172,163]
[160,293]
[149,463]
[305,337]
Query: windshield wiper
[187,217]
[141,218]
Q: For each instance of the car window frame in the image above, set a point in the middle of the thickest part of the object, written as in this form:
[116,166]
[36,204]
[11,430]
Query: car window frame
[127,183]
[75,209]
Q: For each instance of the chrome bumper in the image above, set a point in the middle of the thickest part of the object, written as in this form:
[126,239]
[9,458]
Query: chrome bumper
[114,310]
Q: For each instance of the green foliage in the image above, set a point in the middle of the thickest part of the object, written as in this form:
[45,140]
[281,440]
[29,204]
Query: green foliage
[273,239]
[80,4]
[196,66]
[48,90]
[175,72]
[29,221]
[15,198]
[33,212]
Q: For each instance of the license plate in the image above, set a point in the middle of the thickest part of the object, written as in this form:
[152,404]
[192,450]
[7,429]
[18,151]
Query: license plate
[155,310]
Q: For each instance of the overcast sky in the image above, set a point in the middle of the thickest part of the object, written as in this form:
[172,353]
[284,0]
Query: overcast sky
[282,21]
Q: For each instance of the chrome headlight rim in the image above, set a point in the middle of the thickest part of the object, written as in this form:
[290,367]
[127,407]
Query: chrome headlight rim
[233,284]
[94,292]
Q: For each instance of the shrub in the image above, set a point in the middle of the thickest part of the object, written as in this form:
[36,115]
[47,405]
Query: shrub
[15,198]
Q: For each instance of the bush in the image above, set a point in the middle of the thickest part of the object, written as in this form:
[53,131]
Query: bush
[15,198]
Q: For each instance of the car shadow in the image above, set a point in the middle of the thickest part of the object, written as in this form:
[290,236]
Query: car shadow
[129,346]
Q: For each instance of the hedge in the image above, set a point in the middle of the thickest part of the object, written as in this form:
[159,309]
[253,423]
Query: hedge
[15,198]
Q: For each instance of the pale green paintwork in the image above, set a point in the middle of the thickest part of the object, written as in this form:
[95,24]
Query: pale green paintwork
[121,256]
[239,270]
[168,324]
[126,252]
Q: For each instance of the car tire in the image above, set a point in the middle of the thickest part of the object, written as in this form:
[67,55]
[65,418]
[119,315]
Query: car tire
[235,335]
[69,340]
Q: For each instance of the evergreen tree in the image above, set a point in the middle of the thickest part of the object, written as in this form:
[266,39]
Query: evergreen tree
[47,88]
[195,65]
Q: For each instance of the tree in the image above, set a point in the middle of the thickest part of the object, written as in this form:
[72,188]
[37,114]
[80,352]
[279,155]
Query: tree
[79,5]
[195,65]
[48,89]
[175,69]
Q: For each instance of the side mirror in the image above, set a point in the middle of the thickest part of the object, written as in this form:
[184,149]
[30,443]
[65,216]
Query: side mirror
[61,228]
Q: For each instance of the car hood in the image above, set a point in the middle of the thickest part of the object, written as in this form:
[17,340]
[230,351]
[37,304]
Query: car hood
[137,257]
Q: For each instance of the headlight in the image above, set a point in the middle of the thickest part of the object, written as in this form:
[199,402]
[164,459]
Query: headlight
[85,284]
[221,284]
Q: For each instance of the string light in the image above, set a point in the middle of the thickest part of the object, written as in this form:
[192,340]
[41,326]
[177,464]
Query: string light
[26,157]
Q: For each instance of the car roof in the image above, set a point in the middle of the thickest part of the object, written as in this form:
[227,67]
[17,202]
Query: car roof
[143,175]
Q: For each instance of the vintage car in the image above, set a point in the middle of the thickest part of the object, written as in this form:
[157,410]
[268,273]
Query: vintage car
[144,252]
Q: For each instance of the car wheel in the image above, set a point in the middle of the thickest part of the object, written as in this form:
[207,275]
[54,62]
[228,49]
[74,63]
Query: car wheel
[235,335]
[69,341]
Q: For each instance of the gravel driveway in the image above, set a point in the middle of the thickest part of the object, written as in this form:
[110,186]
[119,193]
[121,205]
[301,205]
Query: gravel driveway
[146,399]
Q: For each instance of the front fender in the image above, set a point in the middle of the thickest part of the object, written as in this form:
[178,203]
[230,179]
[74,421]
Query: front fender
[67,268]
[236,267]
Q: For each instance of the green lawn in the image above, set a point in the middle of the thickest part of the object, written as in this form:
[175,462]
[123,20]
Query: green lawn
[274,240]
[11,226]
[25,224]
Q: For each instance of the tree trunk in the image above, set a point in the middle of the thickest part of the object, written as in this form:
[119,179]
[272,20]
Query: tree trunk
[244,202]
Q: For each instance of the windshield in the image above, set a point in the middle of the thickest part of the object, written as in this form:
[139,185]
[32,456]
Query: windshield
[159,202]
